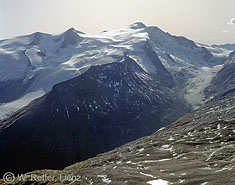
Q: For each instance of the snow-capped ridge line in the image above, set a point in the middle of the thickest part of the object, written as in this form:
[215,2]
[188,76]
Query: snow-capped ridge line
[47,59]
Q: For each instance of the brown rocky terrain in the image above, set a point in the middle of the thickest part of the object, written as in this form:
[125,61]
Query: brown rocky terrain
[197,149]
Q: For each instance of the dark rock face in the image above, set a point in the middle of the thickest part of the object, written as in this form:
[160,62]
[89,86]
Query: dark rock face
[199,148]
[103,108]
[12,90]
[224,82]
[163,76]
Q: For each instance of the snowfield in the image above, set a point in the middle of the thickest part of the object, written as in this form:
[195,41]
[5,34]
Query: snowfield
[194,88]
[11,107]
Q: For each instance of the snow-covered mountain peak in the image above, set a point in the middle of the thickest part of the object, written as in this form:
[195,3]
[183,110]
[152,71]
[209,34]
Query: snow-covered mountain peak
[71,37]
[71,31]
[37,37]
[137,25]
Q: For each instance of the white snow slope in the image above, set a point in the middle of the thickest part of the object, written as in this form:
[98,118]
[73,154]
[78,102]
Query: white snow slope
[9,108]
[50,59]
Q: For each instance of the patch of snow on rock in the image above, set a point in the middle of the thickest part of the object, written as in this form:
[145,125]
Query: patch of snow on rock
[105,179]
[158,182]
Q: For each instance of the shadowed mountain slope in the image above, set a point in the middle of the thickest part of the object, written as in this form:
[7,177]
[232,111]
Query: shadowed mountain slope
[103,108]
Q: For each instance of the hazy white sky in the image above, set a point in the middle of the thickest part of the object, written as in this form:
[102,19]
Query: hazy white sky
[205,21]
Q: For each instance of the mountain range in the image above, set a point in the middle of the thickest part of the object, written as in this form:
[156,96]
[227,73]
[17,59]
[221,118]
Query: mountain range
[38,61]
[68,97]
